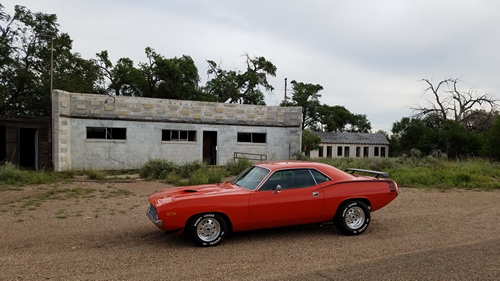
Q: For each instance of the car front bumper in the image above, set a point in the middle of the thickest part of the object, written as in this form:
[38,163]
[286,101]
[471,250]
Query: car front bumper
[153,216]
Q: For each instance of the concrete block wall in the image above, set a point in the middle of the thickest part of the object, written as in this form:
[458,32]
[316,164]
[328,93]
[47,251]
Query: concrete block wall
[144,119]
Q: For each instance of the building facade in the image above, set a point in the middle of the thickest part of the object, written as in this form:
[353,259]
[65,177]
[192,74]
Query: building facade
[116,132]
[24,142]
[344,144]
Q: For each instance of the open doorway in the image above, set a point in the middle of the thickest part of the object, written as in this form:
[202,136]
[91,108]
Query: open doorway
[3,144]
[210,147]
[28,148]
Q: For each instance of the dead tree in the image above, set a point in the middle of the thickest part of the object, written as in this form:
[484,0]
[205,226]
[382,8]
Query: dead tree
[449,103]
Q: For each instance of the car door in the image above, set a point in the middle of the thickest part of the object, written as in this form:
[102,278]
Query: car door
[300,201]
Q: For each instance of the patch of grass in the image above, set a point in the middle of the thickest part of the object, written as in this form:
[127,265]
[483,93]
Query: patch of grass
[429,172]
[61,214]
[116,193]
[95,174]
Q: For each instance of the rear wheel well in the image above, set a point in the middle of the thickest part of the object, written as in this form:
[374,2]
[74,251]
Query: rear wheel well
[364,200]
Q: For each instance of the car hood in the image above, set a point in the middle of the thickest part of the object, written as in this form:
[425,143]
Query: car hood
[196,191]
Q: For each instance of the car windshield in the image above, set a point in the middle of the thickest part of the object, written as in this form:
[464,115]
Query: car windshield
[251,177]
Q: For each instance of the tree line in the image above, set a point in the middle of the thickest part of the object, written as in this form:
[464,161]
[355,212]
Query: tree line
[36,57]
[32,46]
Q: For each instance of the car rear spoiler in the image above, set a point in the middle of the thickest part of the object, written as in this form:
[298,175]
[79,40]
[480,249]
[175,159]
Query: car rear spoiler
[376,173]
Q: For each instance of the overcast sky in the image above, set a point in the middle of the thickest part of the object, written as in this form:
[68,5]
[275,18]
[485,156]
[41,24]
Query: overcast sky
[368,55]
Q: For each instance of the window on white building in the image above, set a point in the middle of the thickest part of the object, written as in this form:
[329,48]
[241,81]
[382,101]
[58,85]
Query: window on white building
[106,133]
[178,135]
[252,137]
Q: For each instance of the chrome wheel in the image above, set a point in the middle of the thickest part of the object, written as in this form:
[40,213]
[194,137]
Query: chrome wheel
[354,217]
[208,229]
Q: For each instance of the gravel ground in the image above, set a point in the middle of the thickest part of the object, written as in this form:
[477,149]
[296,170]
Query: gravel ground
[99,231]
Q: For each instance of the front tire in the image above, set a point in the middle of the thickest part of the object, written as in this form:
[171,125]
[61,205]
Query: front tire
[207,230]
[352,218]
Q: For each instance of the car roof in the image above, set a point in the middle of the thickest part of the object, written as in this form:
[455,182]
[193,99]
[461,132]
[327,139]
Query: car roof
[296,164]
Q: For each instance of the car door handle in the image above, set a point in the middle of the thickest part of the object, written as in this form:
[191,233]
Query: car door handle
[315,193]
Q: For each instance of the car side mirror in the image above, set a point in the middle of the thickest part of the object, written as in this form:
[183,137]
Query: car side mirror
[278,189]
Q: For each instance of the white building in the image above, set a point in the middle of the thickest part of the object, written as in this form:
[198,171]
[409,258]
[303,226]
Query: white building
[344,144]
[116,132]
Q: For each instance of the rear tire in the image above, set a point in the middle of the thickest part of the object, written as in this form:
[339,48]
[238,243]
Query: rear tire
[207,230]
[352,217]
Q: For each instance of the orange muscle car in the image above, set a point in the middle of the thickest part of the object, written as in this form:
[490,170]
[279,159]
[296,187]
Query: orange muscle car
[273,194]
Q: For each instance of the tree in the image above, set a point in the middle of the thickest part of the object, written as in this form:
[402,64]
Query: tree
[339,119]
[310,141]
[177,78]
[306,95]
[449,103]
[491,142]
[29,42]
[433,136]
[241,87]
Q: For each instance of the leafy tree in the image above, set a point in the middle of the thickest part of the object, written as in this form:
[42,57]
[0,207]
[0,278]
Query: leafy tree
[30,43]
[177,78]
[491,140]
[240,87]
[124,79]
[306,95]
[433,136]
[339,119]
[310,141]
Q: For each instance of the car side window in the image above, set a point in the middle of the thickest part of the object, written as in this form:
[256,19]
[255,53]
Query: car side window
[319,177]
[274,180]
[296,178]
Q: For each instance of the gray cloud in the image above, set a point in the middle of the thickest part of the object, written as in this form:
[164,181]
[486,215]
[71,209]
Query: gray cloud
[368,55]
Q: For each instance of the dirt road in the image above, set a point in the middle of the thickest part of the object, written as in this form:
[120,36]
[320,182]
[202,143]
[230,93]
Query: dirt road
[99,231]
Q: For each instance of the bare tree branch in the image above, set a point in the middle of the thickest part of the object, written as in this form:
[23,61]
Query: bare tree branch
[449,103]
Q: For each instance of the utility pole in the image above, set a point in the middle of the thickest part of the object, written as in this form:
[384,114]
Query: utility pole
[285,92]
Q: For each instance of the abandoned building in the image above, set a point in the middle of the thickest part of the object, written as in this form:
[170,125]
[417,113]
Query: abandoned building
[24,142]
[117,132]
[345,144]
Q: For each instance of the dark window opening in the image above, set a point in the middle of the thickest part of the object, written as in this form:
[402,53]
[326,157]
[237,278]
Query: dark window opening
[106,133]
[366,151]
[375,152]
[252,137]
[382,151]
[329,152]
[178,135]
[358,151]
[320,152]
[346,151]
[339,151]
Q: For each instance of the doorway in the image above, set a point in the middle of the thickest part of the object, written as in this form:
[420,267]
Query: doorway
[28,148]
[210,147]
[3,144]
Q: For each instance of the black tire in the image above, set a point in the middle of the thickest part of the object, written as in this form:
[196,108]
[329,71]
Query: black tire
[352,217]
[207,230]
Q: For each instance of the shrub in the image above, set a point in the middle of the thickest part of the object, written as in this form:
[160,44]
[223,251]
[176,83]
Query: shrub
[206,175]
[157,169]
[94,174]
[238,166]
[10,174]
[187,169]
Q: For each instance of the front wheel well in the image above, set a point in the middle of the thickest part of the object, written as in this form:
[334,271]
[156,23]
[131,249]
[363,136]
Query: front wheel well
[226,218]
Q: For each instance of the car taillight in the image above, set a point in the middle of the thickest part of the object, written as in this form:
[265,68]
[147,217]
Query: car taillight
[392,186]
